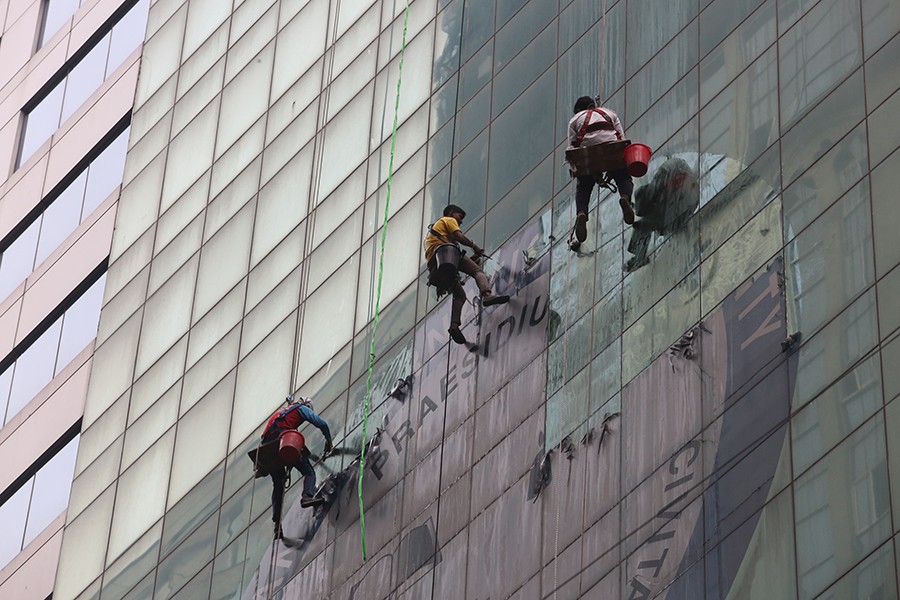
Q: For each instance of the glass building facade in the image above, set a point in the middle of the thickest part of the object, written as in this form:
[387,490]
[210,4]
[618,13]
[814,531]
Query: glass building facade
[703,409]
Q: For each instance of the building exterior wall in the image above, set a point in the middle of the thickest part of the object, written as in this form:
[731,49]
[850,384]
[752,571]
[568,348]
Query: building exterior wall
[707,411]
[54,246]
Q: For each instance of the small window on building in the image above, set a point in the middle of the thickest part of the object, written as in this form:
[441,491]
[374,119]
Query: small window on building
[81,79]
[32,507]
[56,13]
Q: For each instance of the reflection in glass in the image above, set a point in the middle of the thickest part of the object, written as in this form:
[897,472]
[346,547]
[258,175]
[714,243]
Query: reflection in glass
[835,413]
[478,26]
[816,54]
[830,177]
[831,261]
[810,138]
[661,73]
[875,577]
[836,528]
[523,69]
[522,28]
[512,157]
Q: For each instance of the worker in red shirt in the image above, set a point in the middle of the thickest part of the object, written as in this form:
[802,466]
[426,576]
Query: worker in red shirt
[288,418]
[596,125]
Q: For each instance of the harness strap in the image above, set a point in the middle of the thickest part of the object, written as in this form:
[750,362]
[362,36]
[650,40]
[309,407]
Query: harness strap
[609,121]
[584,126]
[587,126]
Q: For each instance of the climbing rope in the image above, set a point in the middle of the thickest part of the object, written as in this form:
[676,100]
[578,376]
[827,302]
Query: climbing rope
[384,228]
[564,416]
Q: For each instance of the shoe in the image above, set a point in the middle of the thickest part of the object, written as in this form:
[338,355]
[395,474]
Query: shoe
[581,227]
[574,245]
[306,501]
[456,335]
[627,210]
[492,299]
[278,532]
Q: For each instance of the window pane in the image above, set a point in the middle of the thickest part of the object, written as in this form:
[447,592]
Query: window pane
[80,324]
[127,35]
[816,54]
[85,77]
[52,485]
[56,12]
[34,369]
[12,523]
[105,173]
[41,122]
[512,155]
[17,261]
[61,218]
[836,528]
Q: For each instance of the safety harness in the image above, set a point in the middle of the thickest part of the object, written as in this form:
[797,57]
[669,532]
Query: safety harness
[588,127]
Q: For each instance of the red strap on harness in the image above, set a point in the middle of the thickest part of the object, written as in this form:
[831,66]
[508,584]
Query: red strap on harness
[610,121]
[609,125]
[584,126]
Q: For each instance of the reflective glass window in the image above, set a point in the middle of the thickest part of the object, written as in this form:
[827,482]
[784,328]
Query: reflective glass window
[720,17]
[81,79]
[886,212]
[85,77]
[831,261]
[51,351]
[652,24]
[56,12]
[835,528]
[512,155]
[37,503]
[814,55]
[63,215]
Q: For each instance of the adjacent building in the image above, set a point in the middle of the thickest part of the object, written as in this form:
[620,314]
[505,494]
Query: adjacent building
[68,72]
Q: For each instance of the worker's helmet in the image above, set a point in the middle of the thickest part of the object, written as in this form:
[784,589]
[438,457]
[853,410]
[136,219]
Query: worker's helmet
[584,103]
[290,400]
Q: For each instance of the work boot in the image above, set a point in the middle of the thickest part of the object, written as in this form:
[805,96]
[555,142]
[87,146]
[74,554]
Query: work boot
[581,227]
[456,335]
[492,299]
[307,501]
[627,210]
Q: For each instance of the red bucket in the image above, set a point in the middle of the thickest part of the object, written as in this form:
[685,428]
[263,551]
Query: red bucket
[637,157]
[290,446]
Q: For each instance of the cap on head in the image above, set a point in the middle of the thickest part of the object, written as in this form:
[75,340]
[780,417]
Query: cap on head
[584,103]
[452,208]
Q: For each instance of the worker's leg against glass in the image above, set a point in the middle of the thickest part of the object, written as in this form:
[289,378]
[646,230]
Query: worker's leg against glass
[459,300]
[278,479]
[626,188]
[583,188]
[309,475]
[471,268]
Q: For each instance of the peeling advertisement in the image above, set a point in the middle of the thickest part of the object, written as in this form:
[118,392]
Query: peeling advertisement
[704,429]
[407,428]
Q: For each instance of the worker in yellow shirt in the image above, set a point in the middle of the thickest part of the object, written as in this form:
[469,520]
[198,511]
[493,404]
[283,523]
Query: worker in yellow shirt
[446,231]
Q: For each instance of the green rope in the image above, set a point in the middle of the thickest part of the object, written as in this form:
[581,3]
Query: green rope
[384,227]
